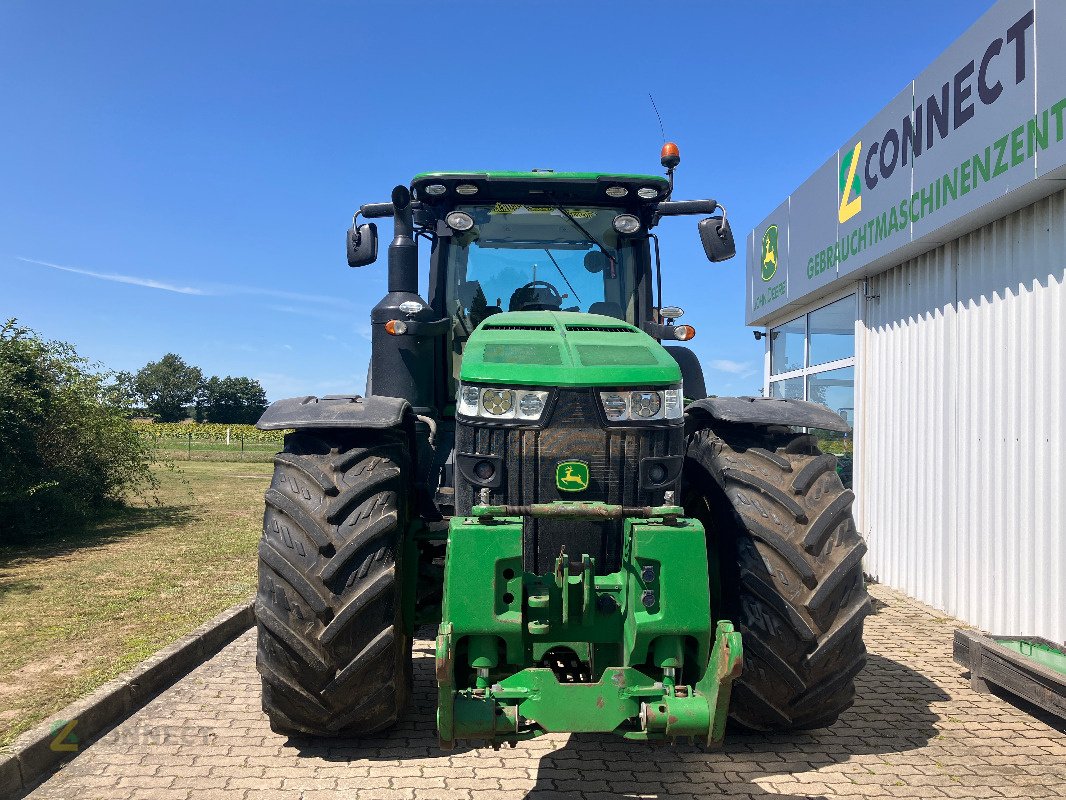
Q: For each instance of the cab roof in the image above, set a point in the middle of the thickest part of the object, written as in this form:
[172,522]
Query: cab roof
[564,187]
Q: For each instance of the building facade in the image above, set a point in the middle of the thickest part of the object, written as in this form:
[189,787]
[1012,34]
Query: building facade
[915,284]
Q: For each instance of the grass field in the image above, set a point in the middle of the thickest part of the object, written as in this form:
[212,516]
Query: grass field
[82,608]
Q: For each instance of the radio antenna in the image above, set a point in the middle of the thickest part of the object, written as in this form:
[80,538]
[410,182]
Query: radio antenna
[655,108]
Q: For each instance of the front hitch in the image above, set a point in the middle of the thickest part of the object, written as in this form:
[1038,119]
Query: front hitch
[628,636]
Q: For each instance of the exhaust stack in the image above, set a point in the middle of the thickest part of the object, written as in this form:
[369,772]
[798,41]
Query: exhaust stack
[403,252]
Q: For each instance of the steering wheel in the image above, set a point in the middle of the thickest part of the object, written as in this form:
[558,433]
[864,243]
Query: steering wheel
[529,298]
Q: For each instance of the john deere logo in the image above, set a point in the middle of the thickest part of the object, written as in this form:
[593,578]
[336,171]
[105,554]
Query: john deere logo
[850,185]
[769,253]
[572,476]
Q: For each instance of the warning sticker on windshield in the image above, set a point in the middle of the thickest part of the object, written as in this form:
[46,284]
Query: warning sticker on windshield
[516,208]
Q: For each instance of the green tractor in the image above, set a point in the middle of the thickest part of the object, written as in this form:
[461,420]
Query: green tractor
[536,469]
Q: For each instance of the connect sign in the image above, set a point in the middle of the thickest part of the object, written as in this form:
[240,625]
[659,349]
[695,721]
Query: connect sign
[971,129]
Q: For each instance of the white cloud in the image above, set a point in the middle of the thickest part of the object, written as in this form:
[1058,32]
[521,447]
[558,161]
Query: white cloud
[317,313]
[116,278]
[213,289]
[285,295]
[732,367]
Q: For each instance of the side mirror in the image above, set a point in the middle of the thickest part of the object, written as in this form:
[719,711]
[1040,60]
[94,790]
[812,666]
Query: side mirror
[717,239]
[362,244]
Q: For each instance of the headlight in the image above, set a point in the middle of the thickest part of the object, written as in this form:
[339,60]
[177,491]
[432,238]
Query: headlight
[626,224]
[531,404]
[497,402]
[468,400]
[488,402]
[643,404]
[459,221]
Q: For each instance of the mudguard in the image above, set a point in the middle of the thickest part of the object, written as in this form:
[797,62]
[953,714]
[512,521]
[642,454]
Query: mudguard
[771,411]
[335,411]
[691,370]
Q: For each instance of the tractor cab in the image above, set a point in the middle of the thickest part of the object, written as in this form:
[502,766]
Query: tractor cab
[501,242]
[538,241]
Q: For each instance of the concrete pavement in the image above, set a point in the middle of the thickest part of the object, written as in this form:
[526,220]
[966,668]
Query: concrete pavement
[916,730]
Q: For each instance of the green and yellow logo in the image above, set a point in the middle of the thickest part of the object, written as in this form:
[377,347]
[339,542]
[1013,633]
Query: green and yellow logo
[850,185]
[769,253]
[572,476]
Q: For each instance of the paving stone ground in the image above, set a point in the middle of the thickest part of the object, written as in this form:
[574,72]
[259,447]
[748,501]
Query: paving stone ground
[916,730]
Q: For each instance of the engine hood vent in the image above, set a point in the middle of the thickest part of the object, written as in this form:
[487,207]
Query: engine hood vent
[515,327]
[599,329]
[560,348]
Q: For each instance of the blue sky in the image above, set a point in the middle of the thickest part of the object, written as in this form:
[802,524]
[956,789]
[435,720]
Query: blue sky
[179,176]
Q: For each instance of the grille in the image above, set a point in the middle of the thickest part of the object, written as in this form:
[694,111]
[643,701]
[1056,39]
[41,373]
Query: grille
[529,457]
[597,329]
[547,328]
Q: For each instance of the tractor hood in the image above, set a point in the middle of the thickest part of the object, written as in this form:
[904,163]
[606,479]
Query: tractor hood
[558,348]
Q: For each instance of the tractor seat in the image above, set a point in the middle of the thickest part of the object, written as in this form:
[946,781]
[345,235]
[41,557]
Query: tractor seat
[607,309]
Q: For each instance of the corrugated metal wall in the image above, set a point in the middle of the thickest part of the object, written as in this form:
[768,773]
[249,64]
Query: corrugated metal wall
[962,427]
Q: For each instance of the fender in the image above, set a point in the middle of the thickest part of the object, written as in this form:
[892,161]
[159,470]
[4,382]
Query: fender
[691,370]
[770,411]
[335,411]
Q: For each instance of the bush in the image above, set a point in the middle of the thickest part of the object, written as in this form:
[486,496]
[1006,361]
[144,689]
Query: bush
[66,448]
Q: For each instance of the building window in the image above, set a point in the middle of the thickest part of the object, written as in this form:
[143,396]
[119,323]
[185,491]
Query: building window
[787,345]
[834,388]
[789,389]
[832,332]
[812,357]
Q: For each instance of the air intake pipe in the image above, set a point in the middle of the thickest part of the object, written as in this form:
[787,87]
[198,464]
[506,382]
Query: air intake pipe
[402,363]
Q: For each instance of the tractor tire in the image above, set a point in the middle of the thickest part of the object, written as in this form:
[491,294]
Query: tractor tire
[333,653]
[783,542]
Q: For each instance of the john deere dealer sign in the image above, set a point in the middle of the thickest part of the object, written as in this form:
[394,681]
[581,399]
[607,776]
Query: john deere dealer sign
[984,127]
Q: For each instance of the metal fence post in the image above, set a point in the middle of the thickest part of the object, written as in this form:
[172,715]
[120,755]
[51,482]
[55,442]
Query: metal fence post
[190,446]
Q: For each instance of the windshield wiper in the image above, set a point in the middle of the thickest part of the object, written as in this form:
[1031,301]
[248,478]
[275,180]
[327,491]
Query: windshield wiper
[568,284]
[580,227]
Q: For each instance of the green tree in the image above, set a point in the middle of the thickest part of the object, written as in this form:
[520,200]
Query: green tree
[120,391]
[233,401]
[66,449]
[167,386]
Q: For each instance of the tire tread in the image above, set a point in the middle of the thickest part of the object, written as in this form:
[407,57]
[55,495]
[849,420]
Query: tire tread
[791,562]
[332,652]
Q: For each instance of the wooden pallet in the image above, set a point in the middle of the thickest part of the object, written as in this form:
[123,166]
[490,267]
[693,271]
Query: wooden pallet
[990,662]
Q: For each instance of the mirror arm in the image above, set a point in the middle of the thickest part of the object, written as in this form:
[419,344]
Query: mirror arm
[378,210]
[657,330]
[677,208]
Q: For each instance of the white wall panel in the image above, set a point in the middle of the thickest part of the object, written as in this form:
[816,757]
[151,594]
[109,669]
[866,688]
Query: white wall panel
[962,432]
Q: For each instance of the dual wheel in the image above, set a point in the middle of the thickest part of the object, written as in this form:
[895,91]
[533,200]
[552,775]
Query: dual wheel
[335,659]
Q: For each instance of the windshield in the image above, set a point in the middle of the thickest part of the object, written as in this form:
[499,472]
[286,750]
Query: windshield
[530,258]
